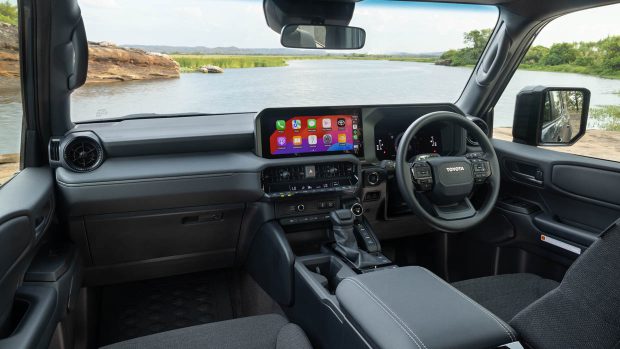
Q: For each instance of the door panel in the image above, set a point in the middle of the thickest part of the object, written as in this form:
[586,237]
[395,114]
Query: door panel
[26,210]
[557,203]
[577,191]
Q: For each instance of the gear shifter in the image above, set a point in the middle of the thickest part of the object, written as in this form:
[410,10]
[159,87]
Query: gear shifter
[346,243]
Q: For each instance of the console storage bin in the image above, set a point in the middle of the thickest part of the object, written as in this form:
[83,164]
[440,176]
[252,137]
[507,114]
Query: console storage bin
[411,307]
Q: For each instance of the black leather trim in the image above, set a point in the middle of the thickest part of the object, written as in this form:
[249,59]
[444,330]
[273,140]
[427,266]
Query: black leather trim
[413,308]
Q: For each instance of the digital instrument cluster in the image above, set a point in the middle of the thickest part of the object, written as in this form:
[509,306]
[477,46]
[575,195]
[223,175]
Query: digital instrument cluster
[428,141]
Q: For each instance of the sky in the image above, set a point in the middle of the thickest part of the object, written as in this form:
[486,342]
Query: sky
[390,26]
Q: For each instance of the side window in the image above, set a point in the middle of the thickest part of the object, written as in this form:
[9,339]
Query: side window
[10,92]
[581,49]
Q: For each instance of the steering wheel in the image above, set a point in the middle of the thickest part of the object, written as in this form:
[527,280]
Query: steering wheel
[437,189]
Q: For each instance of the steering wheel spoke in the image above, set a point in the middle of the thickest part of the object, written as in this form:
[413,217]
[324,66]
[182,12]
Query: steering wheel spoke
[461,210]
[481,169]
[422,176]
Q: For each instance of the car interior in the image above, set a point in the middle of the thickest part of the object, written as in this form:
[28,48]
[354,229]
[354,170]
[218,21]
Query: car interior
[353,226]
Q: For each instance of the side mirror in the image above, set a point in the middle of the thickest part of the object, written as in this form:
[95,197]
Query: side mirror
[550,115]
[327,37]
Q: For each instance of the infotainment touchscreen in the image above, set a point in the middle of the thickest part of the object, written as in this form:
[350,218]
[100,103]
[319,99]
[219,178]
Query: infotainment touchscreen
[312,134]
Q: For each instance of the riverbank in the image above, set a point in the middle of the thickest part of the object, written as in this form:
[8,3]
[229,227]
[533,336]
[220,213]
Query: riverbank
[9,165]
[107,62]
[595,143]
[569,68]
[191,63]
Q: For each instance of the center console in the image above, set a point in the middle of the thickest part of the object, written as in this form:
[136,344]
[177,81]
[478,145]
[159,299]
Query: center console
[411,307]
[318,255]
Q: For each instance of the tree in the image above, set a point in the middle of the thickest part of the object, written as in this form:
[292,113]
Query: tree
[536,55]
[8,13]
[477,39]
[610,53]
[564,53]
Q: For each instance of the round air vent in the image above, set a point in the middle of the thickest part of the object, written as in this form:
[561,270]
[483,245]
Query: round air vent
[83,154]
[472,141]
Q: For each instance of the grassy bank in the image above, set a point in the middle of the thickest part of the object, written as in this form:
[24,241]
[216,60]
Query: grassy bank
[193,62]
[190,63]
[569,68]
[607,117]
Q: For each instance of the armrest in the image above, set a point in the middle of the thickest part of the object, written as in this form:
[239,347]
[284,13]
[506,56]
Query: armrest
[413,308]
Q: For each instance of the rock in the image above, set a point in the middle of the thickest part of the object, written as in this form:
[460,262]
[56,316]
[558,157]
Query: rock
[210,69]
[109,62]
[446,62]
[9,51]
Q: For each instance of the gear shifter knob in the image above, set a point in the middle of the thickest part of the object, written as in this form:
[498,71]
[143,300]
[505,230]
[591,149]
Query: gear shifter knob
[342,217]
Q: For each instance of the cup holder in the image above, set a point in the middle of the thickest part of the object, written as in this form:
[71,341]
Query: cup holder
[327,270]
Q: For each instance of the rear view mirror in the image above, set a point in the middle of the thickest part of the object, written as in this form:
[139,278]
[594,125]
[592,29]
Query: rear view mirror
[327,37]
[551,115]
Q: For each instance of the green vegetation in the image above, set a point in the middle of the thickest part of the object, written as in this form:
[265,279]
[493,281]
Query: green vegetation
[475,41]
[190,63]
[8,13]
[193,62]
[600,58]
[607,117]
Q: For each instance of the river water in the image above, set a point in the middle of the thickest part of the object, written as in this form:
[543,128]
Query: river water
[301,83]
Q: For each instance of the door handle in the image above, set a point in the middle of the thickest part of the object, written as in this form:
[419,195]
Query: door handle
[528,178]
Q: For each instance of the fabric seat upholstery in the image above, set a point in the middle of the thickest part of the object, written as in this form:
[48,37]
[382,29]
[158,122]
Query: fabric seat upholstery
[584,311]
[256,332]
[506,295]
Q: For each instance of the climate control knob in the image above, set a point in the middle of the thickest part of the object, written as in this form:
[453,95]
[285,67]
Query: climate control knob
[301,208]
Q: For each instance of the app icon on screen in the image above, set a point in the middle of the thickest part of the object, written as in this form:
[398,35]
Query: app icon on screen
[281,141]
[312,140]
[355,126]
[280,125]
[342,123]
[327,139]
[342,138]
[296,124]
[311,124]
[355,137]
[296,140]
[327,123]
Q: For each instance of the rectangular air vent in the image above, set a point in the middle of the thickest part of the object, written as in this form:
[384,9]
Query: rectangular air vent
[54,149]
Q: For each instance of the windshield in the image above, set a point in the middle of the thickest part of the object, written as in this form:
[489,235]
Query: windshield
[220,56]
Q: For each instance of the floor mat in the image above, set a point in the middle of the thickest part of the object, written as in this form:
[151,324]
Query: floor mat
[141,308]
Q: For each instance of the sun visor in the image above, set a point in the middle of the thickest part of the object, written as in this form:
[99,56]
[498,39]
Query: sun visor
[279,13]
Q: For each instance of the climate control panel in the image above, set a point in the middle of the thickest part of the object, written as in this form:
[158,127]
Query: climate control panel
[286,181]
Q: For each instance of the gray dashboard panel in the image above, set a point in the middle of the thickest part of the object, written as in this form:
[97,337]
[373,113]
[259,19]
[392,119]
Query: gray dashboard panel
[167,135]
[130,184]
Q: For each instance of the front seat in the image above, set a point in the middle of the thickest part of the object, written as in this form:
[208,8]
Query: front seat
[255,332]
[582,312]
